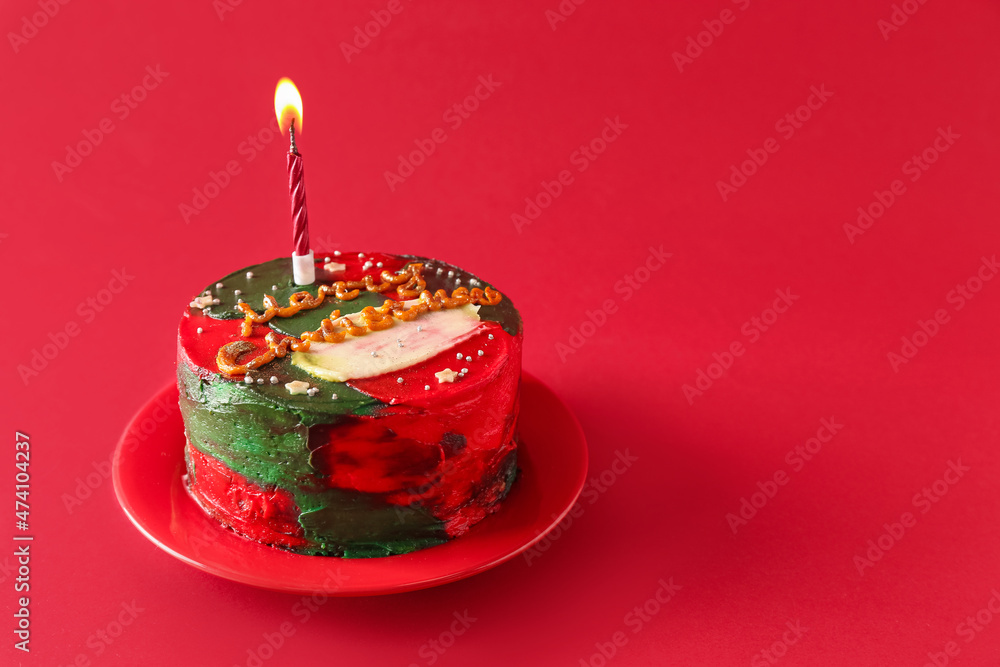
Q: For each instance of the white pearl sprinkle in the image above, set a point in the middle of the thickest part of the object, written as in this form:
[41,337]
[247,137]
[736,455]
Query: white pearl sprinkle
[215,302]
[249,275]
[248,379]
[207,292]
[326,259]
[361,255]
[451,274]
[458,356]
[427,387]
[379,265]
[374,353]
[419,327]
[491,336]
[237,292]
[274,288]
[274,379]
[399,380]
[439,271]
[367,265]
[465,370]
[333,396]
[468,358]
[473,282]
[480,353]
[219,285]
[239,300]
[260,380]
[200,330]
[336,253]
[312,391]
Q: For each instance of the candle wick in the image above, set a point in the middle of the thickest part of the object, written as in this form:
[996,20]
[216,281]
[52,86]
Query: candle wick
[291,137]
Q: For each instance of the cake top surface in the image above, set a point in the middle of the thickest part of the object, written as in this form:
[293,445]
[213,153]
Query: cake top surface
[375,330]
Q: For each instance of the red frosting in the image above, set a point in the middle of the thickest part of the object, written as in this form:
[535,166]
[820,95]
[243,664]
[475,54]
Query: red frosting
[267,515]
[200,349]
[413,452]
[354,267]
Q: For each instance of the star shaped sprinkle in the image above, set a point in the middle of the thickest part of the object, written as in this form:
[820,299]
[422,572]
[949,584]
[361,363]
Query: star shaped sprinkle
[447,375]
[201,301]
[297,387]
[334,266]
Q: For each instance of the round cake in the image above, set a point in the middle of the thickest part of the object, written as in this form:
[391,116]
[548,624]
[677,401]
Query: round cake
[371,413]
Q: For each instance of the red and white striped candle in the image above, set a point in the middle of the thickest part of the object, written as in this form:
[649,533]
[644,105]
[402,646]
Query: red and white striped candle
[288,108]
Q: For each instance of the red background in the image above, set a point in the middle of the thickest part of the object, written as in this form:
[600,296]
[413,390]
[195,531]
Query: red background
[827,357]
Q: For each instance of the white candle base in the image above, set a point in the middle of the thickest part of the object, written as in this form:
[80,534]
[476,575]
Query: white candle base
[304,269]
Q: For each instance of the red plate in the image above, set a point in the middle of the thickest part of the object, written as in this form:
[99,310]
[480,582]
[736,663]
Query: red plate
[552,457]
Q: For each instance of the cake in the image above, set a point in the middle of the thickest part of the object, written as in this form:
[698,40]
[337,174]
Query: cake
[371,413]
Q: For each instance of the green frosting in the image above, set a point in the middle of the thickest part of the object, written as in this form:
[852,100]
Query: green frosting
[352,522]
[222,395]
[269,446]
[309,320]
[277,272]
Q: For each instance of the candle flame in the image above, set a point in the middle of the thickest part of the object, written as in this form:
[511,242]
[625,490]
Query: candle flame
[288,105]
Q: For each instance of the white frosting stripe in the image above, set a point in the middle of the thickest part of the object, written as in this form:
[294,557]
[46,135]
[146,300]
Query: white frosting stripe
[400,346]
